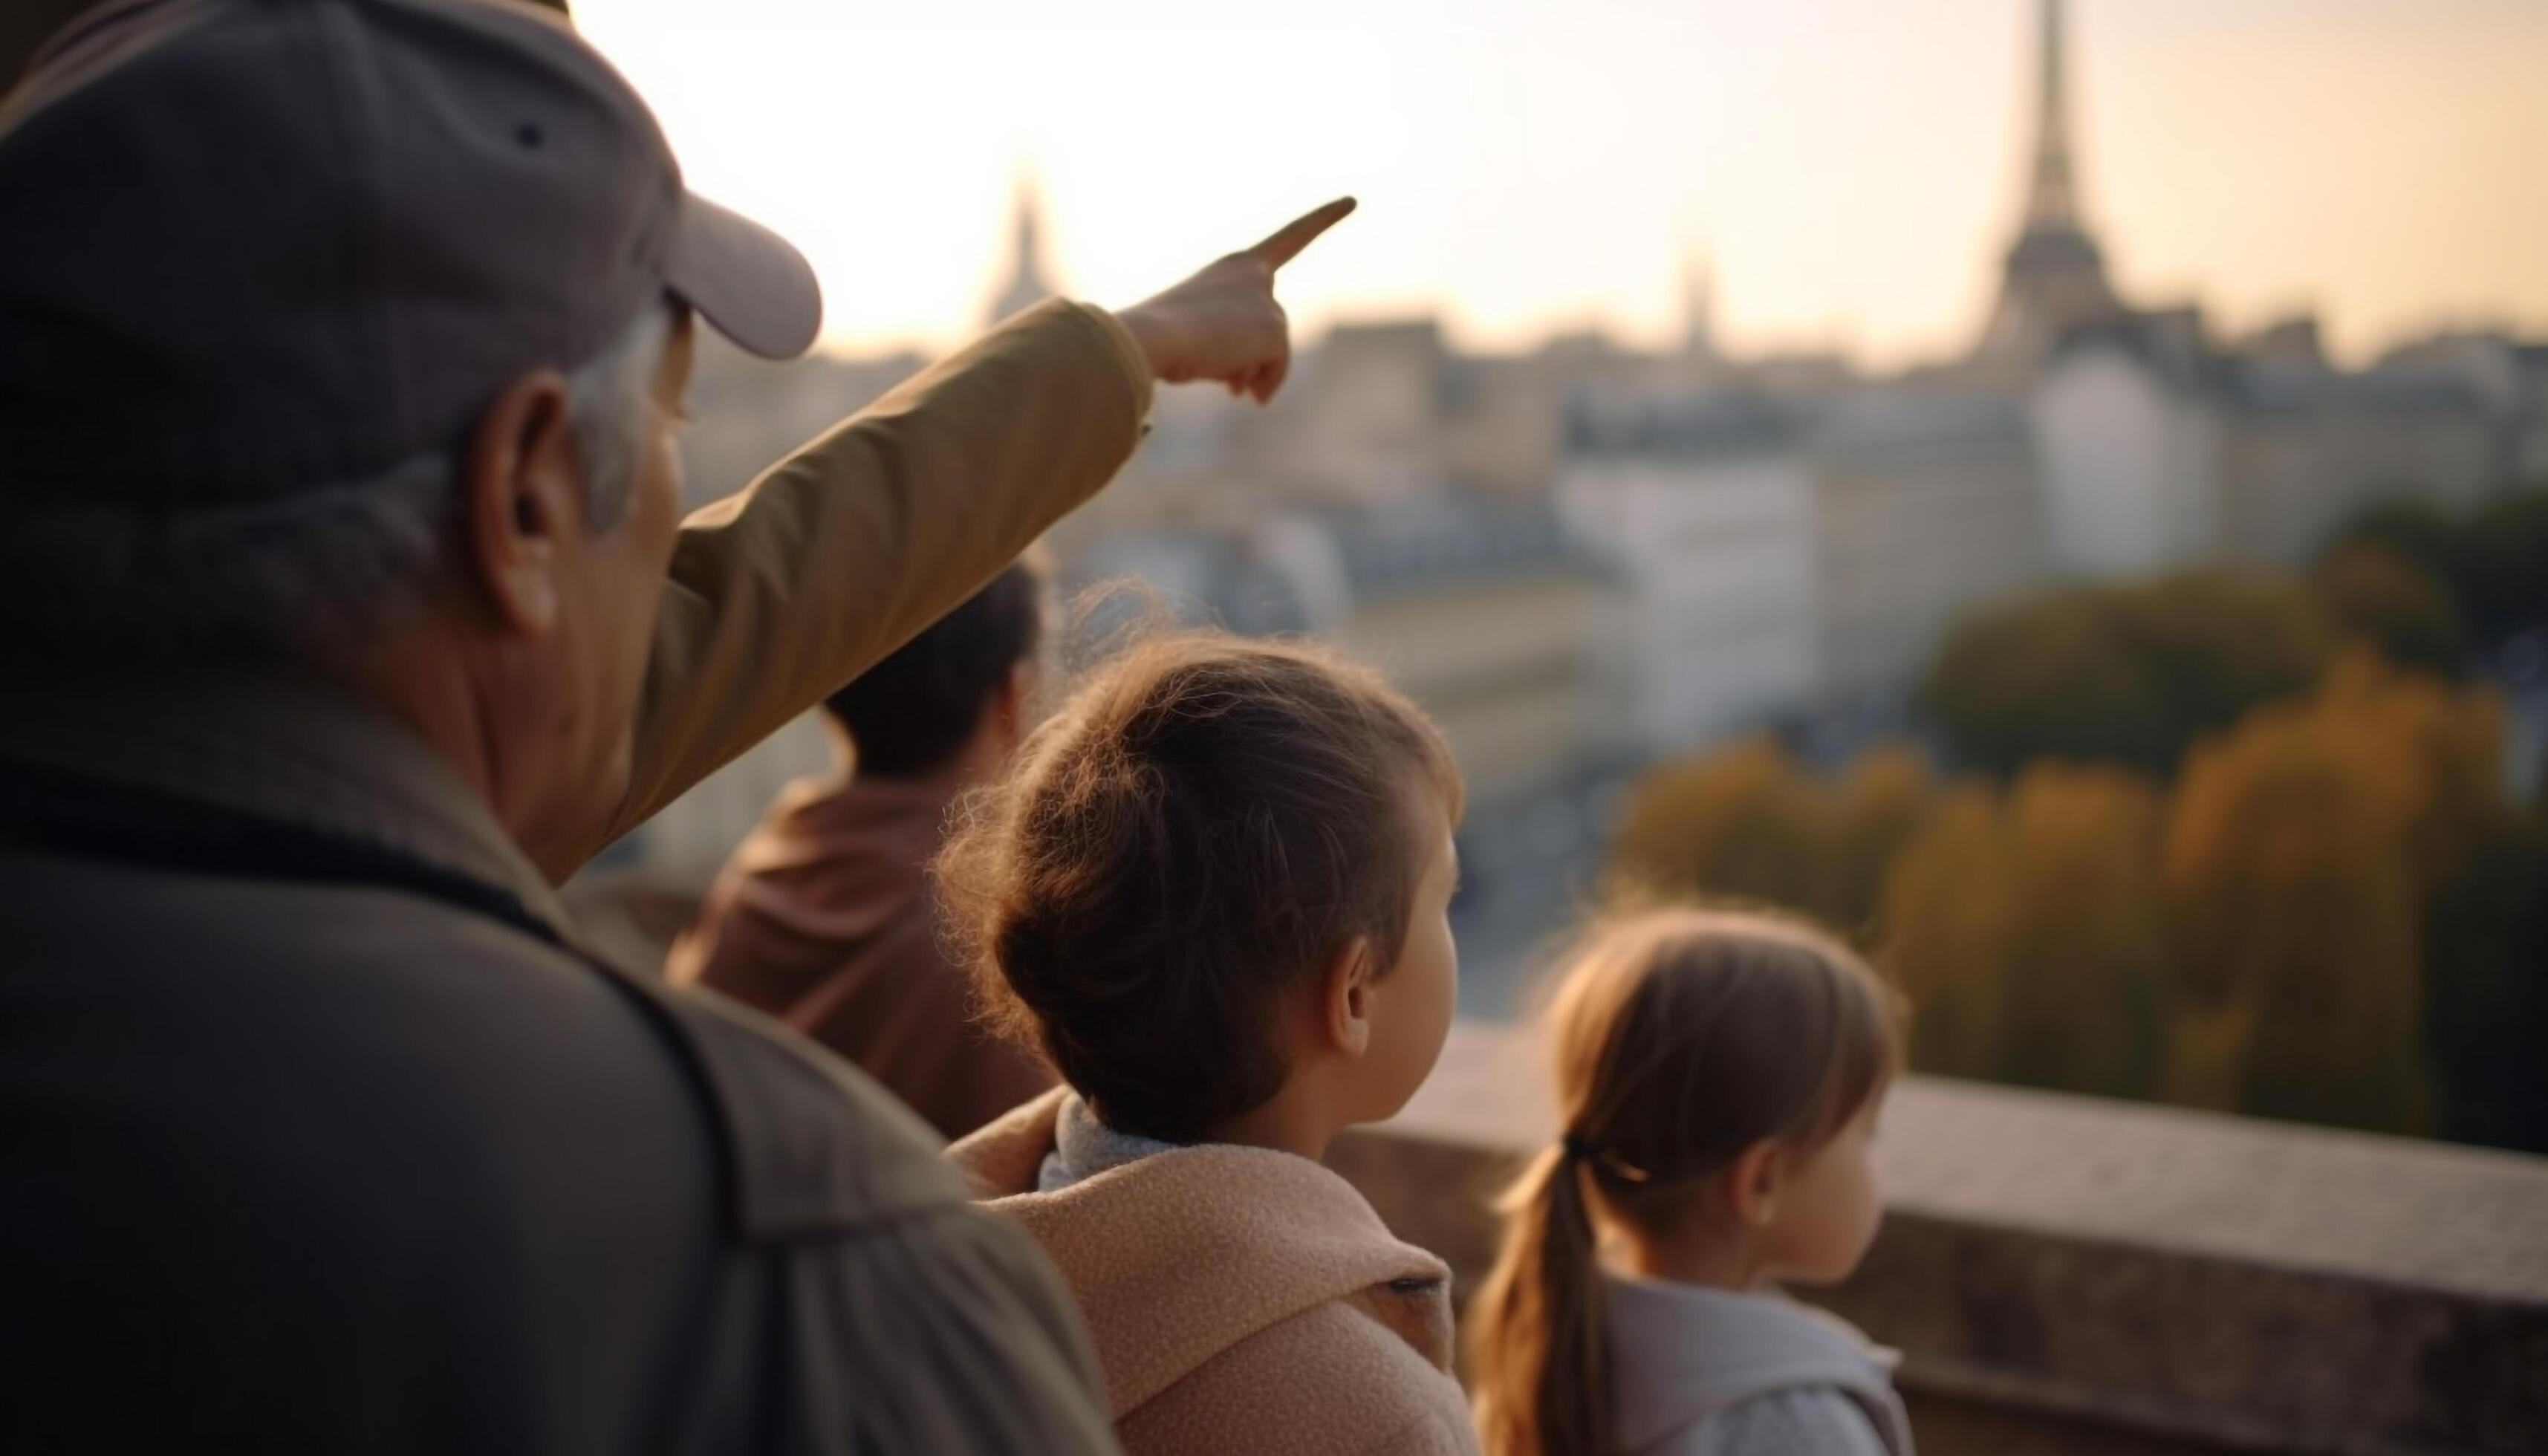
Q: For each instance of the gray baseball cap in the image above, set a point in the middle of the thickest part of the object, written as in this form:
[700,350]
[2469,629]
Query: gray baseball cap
[250,247]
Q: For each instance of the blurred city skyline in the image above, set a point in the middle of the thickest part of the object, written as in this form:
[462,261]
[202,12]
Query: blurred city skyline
[1848,172]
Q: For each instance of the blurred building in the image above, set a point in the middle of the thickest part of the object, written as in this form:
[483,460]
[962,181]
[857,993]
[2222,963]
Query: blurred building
[2307,449]
[1505,422]
[2162,449]
[1795,563]
[2507,375]
[1363,422]
[1927,502]
[1496,622]
[2530,437]
[2128,420]
[1707,513]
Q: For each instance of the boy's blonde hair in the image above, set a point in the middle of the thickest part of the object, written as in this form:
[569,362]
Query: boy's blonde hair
[1200,828]
[1680,1037]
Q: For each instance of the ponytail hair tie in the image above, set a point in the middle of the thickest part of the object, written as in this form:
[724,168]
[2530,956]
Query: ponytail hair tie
[1581,1150]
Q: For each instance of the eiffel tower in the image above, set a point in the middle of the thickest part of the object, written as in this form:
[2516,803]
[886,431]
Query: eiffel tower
[2054,277]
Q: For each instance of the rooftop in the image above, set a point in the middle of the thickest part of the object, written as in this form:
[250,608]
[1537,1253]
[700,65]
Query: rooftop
[1715,425]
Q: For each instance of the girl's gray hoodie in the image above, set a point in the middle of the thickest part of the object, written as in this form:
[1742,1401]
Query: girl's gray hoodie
[1704,1372]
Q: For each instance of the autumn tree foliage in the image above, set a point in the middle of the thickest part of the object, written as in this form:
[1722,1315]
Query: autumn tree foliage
[2235,840]
[2296,899]
[1885,802]
[2027,927]
[2335,914]
[1739,824]
[2492,563]
[1749,823]
[2379,598]
[2129,675]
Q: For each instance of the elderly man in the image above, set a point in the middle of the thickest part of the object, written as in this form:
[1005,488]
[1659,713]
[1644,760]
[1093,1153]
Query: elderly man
[341,346]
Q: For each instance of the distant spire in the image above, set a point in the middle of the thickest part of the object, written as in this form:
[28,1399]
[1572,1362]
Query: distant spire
[2053,202]
[1028,281]
[1698,301]
[1029,223]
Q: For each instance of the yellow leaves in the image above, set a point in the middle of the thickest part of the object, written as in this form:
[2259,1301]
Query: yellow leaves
[2304,844]
[1748,824]
[2026,929]
[2252,940]
[1946,917]
[1740,824]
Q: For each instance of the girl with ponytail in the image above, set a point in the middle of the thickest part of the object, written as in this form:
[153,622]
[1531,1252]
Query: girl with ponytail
[1719,1075]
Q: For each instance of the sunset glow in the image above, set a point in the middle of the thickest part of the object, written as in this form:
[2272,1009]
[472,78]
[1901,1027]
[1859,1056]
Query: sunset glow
[1849,165]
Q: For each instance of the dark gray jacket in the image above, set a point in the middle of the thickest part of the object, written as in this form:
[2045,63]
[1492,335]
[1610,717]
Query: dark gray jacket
[317,1133]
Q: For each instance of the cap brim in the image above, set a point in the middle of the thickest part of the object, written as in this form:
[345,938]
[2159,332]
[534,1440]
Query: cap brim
[747,282]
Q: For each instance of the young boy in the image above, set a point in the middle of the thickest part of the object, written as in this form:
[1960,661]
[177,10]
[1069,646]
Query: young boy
[1214,891]
[824,917]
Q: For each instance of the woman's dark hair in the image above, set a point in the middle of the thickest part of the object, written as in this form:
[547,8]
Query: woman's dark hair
[1682,1037]
[1199,831]
[911,713]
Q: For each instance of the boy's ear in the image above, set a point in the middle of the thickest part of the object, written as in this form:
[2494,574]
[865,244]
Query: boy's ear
[1755,1181]
[1346,1000]
[1009,701]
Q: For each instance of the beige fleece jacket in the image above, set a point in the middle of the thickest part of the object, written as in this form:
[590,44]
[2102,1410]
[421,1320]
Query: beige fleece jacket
[1243,1301]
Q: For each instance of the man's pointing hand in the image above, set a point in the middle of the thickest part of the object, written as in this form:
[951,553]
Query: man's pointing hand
[1222,324]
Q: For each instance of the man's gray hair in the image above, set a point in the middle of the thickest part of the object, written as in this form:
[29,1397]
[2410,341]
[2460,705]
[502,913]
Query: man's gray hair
[317,573]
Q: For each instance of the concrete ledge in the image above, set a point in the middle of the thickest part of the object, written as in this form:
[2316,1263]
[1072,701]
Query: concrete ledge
[2065,1274]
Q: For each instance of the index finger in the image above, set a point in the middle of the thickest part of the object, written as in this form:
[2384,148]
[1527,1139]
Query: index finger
[1300,233]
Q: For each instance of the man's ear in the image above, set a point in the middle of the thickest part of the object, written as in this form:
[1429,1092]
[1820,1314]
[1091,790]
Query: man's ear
[1754,1182]
[520,501]
[1009,702]
[1345,997]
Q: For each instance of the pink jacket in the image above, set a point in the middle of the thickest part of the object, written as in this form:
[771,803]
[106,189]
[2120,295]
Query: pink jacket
[1243,1301]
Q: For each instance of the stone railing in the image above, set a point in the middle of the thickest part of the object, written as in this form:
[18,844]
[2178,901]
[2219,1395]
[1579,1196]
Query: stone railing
[2069,1275]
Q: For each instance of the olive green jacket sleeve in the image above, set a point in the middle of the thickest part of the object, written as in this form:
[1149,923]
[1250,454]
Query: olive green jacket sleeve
[848,548]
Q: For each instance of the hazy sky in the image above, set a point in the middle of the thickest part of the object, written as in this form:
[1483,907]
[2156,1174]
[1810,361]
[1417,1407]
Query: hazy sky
[1852,166]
